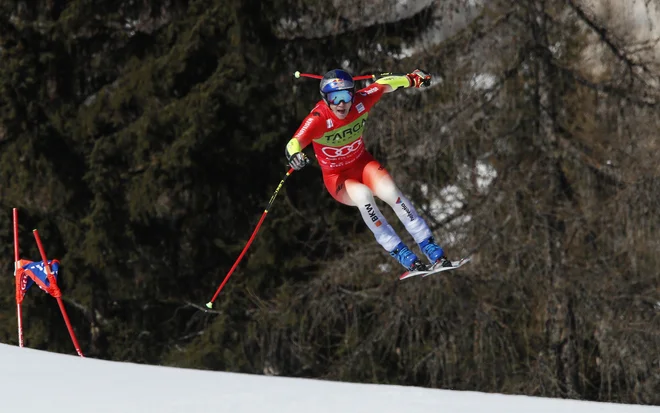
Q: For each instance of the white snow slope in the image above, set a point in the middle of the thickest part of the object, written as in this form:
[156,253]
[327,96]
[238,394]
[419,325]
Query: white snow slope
[38,381]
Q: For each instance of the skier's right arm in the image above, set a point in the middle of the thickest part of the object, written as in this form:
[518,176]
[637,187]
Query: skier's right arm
[303,137]
[294,155]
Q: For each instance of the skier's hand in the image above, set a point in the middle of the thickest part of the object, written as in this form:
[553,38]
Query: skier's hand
[419,78]
[298,160]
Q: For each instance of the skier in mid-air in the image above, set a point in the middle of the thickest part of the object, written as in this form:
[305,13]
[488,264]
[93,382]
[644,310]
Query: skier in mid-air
[351,175]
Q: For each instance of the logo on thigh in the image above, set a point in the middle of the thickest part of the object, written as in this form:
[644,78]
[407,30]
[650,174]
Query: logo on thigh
[372,215]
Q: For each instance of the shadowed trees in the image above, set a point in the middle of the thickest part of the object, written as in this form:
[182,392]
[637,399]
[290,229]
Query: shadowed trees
[144,139]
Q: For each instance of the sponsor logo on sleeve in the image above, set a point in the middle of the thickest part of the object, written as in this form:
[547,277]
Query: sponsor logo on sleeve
[369,91]
[305,127]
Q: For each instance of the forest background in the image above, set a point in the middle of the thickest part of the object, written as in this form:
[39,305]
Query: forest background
[144,138]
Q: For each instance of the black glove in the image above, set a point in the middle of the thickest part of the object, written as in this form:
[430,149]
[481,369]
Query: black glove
[298,160]
[419,78]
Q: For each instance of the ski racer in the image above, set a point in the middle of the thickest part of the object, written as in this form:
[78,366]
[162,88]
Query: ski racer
[351,175]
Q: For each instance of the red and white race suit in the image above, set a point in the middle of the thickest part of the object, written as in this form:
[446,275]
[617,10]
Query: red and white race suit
[351,174]
[337,142]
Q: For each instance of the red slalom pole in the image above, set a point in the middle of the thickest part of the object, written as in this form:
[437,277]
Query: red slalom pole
[313,76]
[56,292]
[19,311]
[254,234]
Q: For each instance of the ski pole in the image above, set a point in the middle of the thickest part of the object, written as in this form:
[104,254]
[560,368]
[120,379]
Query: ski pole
[254,234]
[297,74]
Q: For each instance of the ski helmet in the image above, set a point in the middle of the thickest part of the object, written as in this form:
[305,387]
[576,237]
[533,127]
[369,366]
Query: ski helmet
[334,81]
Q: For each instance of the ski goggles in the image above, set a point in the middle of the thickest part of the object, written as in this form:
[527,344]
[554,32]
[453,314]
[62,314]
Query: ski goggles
[335,98]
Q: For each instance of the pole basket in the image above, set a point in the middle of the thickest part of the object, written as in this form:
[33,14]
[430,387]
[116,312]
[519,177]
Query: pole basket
[42,273]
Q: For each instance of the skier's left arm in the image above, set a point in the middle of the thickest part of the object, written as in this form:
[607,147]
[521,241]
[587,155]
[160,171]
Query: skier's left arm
[392,82]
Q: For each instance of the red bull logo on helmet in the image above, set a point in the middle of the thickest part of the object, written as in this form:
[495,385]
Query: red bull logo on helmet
[339,83]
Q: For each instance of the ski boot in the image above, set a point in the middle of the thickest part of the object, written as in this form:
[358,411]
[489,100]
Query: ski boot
[434,253]
[407,258]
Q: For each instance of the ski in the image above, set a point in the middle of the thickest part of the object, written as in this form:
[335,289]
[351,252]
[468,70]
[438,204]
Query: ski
[426,273]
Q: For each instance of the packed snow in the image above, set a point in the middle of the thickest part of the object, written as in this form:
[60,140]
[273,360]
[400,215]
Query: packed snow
[34,381]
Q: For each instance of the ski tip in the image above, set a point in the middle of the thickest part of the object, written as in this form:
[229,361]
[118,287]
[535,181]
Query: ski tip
[209,304]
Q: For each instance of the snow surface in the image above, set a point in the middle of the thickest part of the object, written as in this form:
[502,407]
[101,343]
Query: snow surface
[38,381]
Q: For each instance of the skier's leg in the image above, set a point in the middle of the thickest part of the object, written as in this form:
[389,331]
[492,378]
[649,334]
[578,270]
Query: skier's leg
[363,198]
[335,184]
[383,186]
[382,230]
[352,192]
[381,183]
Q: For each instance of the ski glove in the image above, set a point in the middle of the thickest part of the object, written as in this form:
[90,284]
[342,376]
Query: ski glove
[419,78]
[298,160]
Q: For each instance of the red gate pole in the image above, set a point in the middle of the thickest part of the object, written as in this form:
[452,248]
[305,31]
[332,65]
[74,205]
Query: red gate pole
[56,292]
[19,312]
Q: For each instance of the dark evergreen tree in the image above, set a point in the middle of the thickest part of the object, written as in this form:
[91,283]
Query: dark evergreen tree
[144,139]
